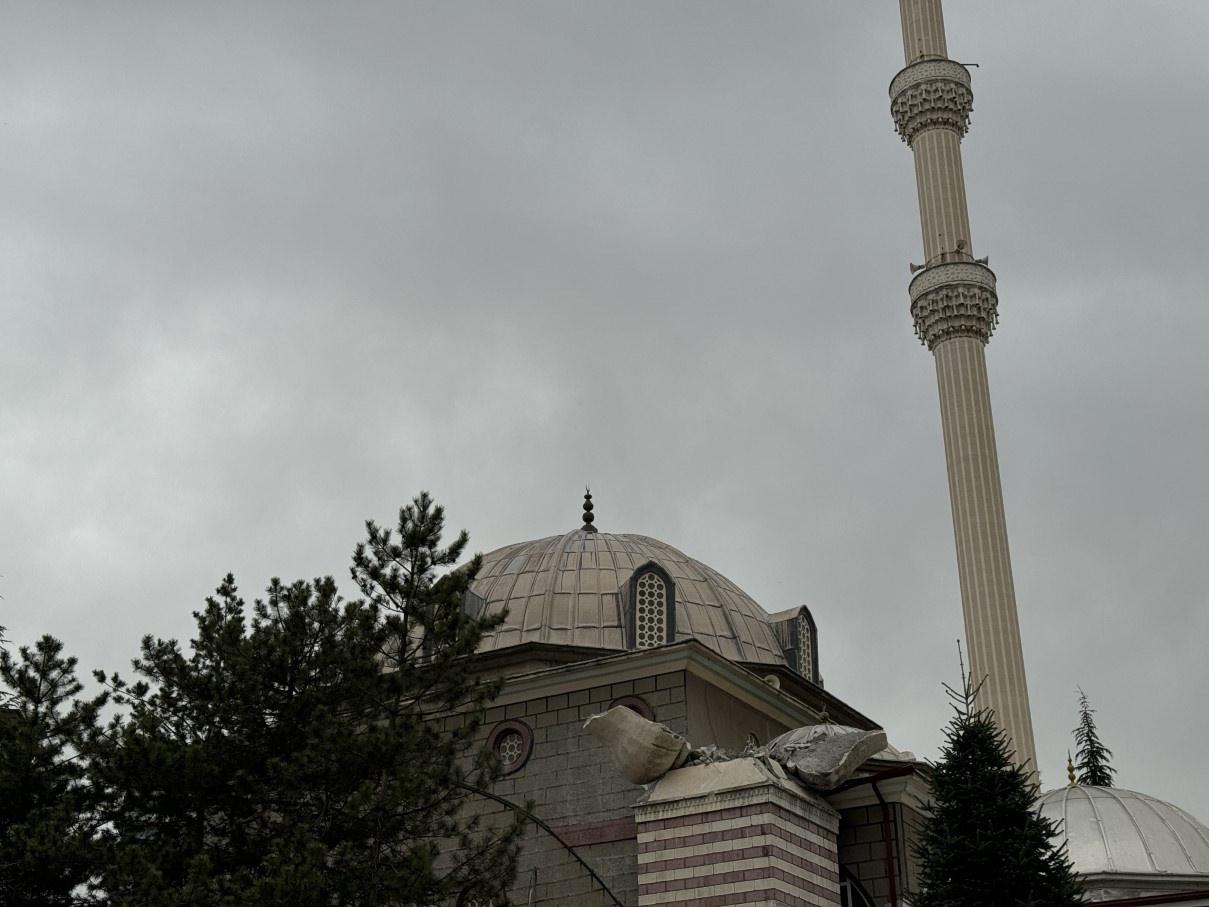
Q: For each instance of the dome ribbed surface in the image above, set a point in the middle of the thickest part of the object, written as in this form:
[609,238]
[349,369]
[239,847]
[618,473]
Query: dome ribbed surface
[1109,830]
[566,589]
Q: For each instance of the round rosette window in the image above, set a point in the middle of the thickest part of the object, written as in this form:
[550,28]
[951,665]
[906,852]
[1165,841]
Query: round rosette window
[512,742]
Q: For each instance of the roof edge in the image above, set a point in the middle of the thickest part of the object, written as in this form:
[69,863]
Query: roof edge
[692,655]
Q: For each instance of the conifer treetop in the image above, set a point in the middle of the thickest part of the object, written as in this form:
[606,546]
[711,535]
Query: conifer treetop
[1092,756]
[982,841]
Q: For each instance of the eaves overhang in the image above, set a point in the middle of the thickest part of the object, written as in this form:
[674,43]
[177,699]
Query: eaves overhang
[904,782]
[838,711]
[690,656]
[1165,884]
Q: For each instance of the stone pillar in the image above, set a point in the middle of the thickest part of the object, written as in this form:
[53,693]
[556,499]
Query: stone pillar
[736,832]
[955,307]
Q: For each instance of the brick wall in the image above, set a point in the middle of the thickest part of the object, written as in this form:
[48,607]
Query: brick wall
[736,833]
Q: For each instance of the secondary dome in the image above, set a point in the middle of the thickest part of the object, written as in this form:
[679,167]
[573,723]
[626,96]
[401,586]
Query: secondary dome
[618,591]
[1115,836]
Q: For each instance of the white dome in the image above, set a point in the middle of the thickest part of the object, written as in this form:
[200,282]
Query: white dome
[1119,832]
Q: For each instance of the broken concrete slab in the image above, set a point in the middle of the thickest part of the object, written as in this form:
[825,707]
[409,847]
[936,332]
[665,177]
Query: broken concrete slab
[644,750]
[825,756]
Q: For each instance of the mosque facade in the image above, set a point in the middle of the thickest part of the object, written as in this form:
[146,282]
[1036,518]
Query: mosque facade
[595,620]
[597,623]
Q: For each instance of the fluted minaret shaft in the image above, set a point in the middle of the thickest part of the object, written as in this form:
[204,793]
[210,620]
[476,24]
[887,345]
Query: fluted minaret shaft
[955,308]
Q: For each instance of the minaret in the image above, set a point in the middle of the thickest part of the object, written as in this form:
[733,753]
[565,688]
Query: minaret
[954,305]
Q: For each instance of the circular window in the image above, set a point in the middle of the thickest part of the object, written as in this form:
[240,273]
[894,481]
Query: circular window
[512,742]
[636,704]
[510,747]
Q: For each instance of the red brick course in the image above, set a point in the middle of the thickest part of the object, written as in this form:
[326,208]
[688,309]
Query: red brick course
[796,871]
[733,812]
[738,834]
[825,868]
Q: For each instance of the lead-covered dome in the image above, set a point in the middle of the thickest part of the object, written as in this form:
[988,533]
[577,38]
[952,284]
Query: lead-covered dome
[618,591]
[1123,839]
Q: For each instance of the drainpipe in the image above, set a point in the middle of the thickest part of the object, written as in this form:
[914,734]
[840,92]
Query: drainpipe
[888,847]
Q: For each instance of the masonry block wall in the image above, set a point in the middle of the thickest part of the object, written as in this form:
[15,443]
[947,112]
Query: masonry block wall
[576,789]
[736,832]
[862,848]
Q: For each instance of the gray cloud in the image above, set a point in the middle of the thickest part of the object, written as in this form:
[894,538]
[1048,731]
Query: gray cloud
[270,270]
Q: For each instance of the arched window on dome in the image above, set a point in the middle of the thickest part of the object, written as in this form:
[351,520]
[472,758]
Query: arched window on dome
[650,611]
[799,638]
[652,608]
[807,643]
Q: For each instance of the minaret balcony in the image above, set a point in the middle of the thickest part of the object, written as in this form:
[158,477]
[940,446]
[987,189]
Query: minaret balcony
[931,94]
[954,299]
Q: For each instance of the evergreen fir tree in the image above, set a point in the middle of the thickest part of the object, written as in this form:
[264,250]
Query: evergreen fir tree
[1092,756]
[982,842]
[298,754]
[48,821]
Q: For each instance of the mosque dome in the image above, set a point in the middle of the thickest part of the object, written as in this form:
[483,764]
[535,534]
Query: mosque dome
[1122,839]
[619,591]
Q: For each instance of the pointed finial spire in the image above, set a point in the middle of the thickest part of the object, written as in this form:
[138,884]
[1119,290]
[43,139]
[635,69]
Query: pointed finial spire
[588,518]
[1070,769]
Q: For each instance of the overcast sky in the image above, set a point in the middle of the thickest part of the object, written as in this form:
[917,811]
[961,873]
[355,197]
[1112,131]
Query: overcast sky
[268,270]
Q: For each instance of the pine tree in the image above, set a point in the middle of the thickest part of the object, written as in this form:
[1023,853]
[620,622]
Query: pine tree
[982,842]
[48,820]
[1092,755]
[297,754]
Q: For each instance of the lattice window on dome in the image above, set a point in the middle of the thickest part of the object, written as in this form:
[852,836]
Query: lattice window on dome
[805,648]
[650,612]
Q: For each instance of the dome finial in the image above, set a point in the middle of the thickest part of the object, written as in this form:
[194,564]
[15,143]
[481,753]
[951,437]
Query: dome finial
[1070,770]
[588,518]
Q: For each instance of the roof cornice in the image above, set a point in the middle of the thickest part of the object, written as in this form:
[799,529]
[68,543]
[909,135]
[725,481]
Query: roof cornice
[689,655]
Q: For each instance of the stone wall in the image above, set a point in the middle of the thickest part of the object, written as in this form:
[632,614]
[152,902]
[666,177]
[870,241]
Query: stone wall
[862,850]
[576,789]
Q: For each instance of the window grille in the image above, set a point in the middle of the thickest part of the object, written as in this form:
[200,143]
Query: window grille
[512,743]
[510,747]
[805,648]
[651,612]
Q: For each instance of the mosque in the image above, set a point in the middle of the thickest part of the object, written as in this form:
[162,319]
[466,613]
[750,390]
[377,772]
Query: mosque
[595,620]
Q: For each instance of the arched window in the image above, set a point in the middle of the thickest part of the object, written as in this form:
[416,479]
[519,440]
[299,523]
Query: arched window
[798,635]
[650,607]
[650,611]
[806,646]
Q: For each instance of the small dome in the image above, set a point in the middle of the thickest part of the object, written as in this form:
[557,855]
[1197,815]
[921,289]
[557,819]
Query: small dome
[1114,831]
[570,590]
